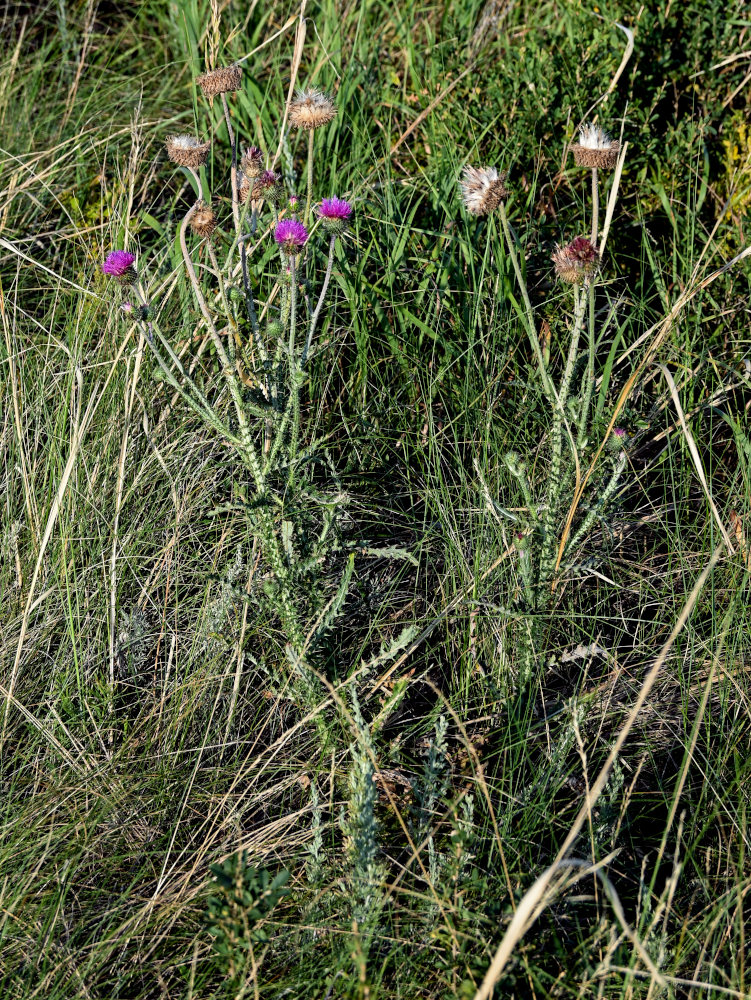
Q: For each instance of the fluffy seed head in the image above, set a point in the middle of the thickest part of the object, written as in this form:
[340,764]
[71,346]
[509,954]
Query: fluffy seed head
[335,214]
[187,151]
[203,220]
[252,162]
[595,148]
[576,261]
[291,236]
[311,109]
[119,264]
[220,81]
[483,189]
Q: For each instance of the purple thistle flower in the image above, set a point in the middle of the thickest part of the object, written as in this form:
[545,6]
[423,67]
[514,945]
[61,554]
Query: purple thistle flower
[335,208]
[291,236]
[334,214]
[119,264]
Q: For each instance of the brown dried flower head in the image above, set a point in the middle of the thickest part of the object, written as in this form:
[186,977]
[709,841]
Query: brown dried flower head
[252,162]
[243,187]
[203,220]
[577,261]
[311,109]
[595,148]
[220,81]
[483,189]
[187,151]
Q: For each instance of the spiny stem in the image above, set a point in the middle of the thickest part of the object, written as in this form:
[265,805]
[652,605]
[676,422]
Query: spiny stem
[595,207]
[529,315]
[235,338]
[294,383]
[248,450]
[618,466]
[233,169]
[319,305]
[556,444]
[309,198]
[589,379]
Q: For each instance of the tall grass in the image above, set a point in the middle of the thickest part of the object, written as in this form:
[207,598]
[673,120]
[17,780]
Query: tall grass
[504,777]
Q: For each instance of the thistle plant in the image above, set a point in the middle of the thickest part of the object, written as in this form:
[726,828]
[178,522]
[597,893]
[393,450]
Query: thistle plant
[577,264]
[254,403]
[244,895]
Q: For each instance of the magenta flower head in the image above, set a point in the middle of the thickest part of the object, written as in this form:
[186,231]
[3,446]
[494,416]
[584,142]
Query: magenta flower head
[119,264]
[291,236]
[335,214]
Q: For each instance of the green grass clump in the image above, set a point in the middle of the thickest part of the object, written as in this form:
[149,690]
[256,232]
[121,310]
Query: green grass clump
[493,737]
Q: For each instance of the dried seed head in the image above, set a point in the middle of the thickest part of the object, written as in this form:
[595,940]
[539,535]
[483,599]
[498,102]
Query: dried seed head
[187,151]
[483,189]
[220,81]
[311,109]
[119,264]
[595,148]
[203,220]
[252,162]
[243,187]
[577,261]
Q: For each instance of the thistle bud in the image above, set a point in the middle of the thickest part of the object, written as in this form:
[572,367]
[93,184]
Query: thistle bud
[521,541]
[515,465]
[252,162]
[577,261]
[618,439]
[268,187]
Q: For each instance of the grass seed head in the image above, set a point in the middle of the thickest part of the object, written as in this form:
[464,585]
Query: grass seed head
[483,189]
[595,148]
[311,109]
[187,151]
[224,80]
[576,261]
